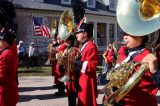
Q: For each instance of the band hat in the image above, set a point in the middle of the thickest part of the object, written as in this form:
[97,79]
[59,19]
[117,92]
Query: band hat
[81,28]
[32,43]
[20,42]
[8,27]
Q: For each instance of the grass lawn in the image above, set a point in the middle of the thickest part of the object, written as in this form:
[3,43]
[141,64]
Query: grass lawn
[41,71]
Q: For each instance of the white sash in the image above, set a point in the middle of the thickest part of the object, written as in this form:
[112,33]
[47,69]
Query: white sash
[129,56]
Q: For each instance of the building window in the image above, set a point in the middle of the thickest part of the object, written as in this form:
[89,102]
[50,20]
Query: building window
[111,32]
[101,34]
[91,3]
[68,2]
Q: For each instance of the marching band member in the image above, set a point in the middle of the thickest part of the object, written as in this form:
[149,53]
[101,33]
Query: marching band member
[59,71]
[53,44]
[8,56]
[87,92]
[136,51]
[87,88]
[71,85]
[53,59]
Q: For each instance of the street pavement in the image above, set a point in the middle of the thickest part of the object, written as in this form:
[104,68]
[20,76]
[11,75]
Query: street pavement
[38,91]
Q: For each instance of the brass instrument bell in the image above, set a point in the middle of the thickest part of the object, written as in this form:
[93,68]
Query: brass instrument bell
[66,24]
[138,17]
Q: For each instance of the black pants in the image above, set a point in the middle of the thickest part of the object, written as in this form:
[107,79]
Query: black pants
[72,99]
[33,61]
[61,87]
[74,94]
[20,56]
[120,103]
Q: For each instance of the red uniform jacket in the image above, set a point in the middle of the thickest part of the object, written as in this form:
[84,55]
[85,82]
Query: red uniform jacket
[144,93]
[8,83]
[87,93]
[58,74]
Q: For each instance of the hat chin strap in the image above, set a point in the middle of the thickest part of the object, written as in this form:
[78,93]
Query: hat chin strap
[2,29]
[84,40]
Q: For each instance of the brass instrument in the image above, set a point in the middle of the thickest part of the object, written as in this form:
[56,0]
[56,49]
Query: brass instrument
[61,57]
[65,28]
[49,56]
[143,16]
[149,9]
[67,59]
[66,24]
[52,53]
[122,79]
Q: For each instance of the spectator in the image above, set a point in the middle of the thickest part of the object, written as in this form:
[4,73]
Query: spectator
[109,57]
[21,51]
[33,55]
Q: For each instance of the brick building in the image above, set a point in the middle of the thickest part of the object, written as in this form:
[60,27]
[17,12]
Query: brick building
[99,13]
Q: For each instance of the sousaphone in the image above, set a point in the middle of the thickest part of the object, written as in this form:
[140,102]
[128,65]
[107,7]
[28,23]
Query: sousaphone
[65,28]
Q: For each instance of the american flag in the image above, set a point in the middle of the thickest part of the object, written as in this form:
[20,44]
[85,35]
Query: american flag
[40,29]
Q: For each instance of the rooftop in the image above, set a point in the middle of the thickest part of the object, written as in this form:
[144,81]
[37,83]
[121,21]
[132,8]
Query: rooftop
[101,7]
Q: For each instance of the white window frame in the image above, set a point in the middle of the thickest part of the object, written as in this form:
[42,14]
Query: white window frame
[92,6]
[67,3]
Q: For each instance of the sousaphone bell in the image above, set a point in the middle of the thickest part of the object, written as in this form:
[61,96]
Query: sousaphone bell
[138,17]
[66,24]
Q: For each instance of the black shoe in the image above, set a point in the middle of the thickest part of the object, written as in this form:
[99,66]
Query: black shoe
[60,94]
[55,86]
